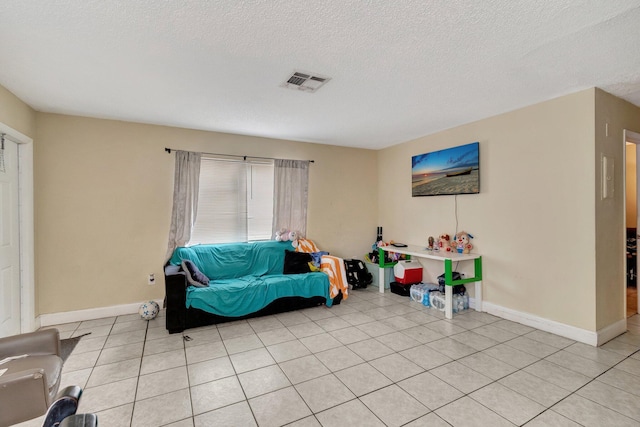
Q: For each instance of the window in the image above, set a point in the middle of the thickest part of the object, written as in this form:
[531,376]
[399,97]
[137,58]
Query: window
[235,201]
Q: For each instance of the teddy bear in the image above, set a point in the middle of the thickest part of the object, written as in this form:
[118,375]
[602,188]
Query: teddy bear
[444,243]
[282,235]
[462,243]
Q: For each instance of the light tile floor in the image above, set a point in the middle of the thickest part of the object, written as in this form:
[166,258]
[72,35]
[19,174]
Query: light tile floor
[373,360]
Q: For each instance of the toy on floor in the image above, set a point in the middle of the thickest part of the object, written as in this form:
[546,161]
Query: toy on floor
[462,243]
[149,310]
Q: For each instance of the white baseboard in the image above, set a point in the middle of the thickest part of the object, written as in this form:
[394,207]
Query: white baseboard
[594,338]
[608,333]
[90,314]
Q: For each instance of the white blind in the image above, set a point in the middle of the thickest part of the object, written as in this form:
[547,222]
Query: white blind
[235,202]
[260,201]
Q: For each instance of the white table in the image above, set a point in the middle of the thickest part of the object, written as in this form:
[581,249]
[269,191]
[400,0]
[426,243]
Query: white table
[448,258]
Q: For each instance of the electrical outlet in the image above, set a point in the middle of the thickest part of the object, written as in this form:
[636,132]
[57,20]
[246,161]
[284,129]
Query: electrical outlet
[152,279]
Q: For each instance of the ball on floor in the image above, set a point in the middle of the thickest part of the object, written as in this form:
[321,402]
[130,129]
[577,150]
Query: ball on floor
[149,310]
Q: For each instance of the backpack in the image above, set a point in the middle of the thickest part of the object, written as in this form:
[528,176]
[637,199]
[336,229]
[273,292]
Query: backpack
[357,274]
[457,289]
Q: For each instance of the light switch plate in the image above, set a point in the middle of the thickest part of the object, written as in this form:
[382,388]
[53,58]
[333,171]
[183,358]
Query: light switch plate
[608,187]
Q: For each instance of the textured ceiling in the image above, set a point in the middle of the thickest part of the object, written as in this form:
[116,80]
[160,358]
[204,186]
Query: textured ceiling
[400,69]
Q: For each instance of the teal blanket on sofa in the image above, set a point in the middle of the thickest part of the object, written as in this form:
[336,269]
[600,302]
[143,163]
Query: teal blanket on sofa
[246,277]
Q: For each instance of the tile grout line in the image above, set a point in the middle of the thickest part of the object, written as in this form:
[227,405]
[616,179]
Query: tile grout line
[559,401]
[594,379]
[476,352]
[253,414]
[376,338]
[135,395]
[444,337]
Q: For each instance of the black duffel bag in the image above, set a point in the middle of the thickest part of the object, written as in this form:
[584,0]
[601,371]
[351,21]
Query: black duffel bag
[457,289]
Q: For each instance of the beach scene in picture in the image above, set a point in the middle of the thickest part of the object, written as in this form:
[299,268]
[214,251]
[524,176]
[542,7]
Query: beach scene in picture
[450,171]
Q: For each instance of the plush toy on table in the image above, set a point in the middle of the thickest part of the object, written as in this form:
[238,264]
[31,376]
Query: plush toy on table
[378,244]
[431,243]
[462,243]
[444,243]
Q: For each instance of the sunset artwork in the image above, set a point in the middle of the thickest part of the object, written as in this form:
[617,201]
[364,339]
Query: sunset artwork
[450,171]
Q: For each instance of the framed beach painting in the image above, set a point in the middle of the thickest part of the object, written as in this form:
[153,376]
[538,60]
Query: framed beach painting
[450,171]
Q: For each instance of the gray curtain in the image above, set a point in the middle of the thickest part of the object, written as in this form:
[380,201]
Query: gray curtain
[185,199]
[290,194]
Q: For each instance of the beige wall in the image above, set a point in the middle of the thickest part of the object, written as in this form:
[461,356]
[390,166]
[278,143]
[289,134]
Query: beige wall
[103,203]
[612,116]
[16,114]
[630,178]
[103,194]
[533,220]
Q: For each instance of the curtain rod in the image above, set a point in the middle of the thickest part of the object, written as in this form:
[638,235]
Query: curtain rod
[168,150]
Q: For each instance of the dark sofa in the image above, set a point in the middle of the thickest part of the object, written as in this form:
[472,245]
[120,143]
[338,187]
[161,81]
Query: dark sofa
[247,281]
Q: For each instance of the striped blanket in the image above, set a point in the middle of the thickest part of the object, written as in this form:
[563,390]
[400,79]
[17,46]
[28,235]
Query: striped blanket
[330,265]
[305,245]
[334,268]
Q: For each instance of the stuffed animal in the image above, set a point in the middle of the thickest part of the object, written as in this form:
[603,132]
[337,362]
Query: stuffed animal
[444,243]
[282,235]
[462,243]
[378,244]
[293,238]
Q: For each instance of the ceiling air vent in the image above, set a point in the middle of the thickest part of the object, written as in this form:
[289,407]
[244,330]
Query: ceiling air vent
[305,81]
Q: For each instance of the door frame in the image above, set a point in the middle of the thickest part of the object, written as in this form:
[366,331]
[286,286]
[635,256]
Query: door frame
[25,193]
[634,138]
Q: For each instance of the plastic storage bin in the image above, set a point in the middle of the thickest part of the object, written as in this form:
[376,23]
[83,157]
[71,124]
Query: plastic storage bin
[374,269]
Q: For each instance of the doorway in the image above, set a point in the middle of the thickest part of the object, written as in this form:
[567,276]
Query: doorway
[632,207]
[17,295]
[9,239]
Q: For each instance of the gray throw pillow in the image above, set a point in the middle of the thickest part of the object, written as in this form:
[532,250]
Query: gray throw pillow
[194,276]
